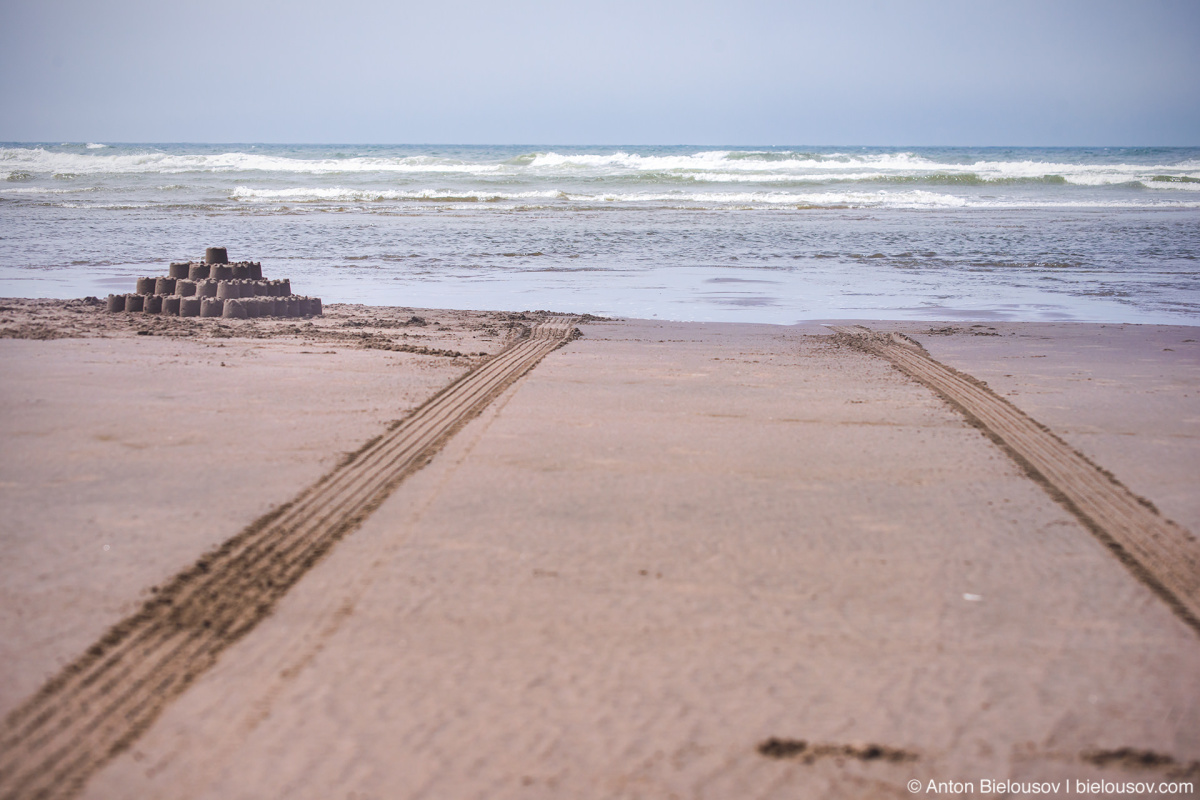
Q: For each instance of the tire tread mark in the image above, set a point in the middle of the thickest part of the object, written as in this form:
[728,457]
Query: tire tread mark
[99,704]
[1160,553]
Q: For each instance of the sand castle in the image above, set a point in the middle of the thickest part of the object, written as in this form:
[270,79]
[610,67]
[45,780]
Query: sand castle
[215,287]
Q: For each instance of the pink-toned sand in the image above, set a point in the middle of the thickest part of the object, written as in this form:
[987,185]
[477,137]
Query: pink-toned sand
[664,546]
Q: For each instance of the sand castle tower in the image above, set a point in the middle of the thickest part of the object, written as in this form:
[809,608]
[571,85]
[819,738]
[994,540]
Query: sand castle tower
[215,287]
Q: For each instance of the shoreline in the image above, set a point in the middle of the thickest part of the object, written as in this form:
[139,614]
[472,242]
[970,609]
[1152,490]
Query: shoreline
[811,512]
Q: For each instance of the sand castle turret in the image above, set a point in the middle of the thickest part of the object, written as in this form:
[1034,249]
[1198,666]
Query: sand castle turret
[215,287]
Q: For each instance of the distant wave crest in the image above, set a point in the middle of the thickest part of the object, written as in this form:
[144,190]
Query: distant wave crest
[884,198]
[721,166]
[335,194]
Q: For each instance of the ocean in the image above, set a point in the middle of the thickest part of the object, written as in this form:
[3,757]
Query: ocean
[753,234]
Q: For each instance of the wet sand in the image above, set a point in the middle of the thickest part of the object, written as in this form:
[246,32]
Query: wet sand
[665,546]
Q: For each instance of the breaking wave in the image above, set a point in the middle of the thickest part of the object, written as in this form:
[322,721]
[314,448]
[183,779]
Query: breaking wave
[316,176]
[910,199]
[334,194]
[53,162]
[746,166]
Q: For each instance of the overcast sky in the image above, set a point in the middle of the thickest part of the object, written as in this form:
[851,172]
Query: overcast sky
[1050,72]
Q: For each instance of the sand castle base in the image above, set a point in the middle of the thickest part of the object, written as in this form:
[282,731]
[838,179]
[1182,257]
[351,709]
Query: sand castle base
[215,287]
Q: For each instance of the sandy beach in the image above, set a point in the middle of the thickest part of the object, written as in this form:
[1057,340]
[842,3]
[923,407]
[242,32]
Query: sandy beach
[662,559]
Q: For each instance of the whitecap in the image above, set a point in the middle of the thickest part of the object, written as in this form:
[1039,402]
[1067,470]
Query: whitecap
[702,165]
[340,194]
[41,160]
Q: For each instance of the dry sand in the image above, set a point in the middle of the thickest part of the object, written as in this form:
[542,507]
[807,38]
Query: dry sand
[665,546]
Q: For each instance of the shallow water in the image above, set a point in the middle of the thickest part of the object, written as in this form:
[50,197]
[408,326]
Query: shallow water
[745,234]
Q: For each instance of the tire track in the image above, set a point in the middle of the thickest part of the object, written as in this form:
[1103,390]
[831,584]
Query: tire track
[99,704]
[1160,553]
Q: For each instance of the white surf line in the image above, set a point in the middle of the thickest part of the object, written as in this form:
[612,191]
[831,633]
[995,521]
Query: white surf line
[1160,553]
[101,703]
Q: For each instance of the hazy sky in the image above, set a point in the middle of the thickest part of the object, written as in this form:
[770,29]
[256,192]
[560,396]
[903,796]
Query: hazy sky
[525,71]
